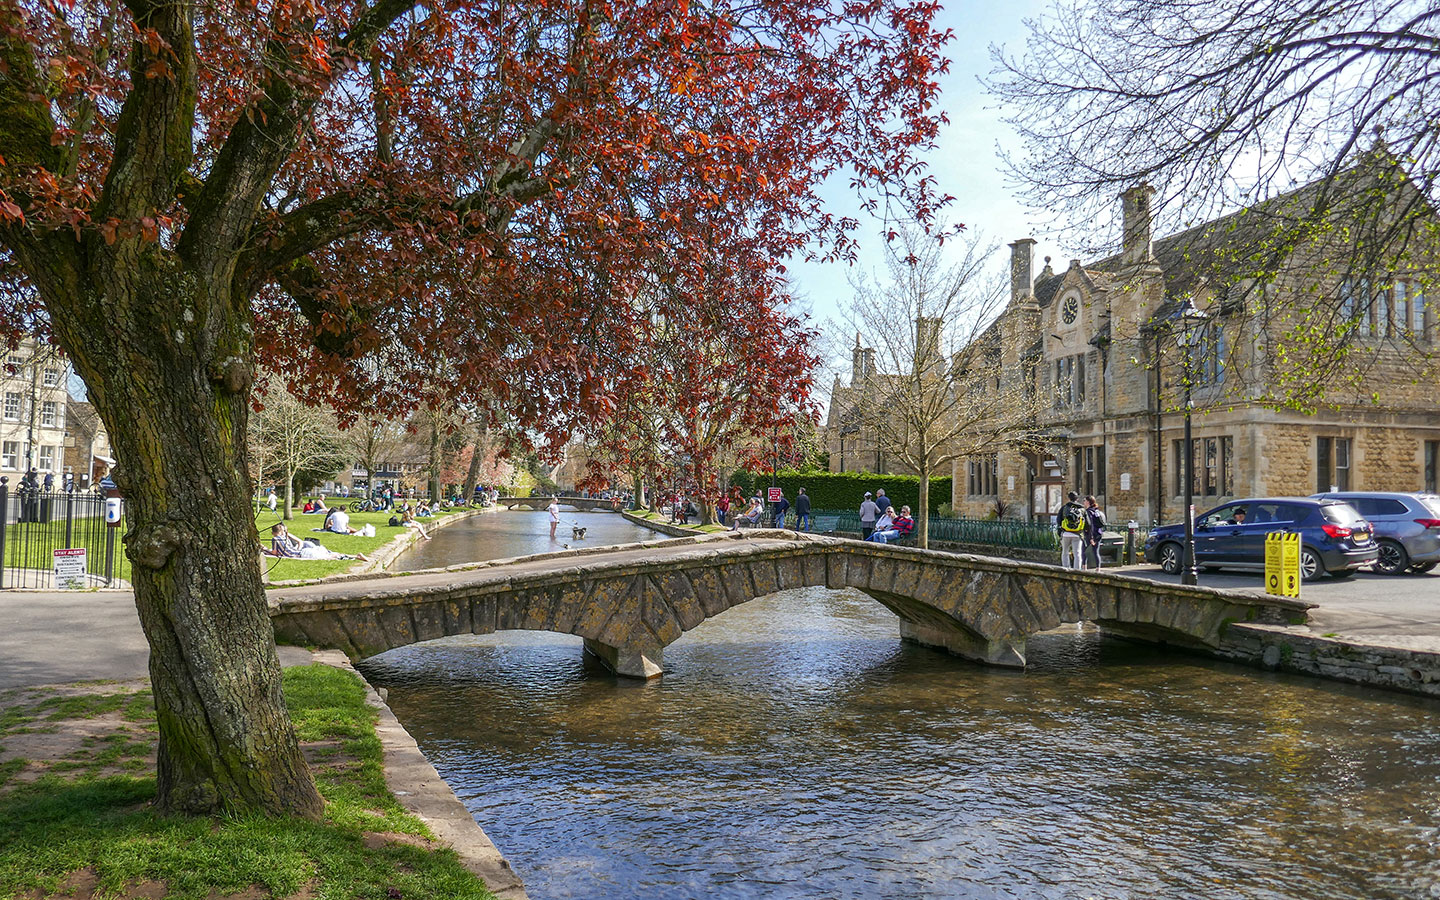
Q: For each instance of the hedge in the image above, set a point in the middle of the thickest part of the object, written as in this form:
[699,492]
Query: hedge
[845,490]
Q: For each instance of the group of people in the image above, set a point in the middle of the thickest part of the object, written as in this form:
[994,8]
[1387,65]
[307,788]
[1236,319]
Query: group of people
[880,523]
[1080,524]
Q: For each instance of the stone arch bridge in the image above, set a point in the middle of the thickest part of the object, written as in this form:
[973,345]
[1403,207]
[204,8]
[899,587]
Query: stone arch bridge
[629,602]
[582,504]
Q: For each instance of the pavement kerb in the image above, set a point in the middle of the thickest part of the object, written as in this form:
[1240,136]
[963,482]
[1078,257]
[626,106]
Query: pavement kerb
[421,790]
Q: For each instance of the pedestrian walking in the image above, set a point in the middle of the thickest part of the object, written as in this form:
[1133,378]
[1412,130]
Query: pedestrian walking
[802,511]
[1094,528]
[869,512]
[1070,523]
[782,506]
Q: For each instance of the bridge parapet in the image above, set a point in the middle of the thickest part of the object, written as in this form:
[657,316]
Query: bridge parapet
[630,602]
[580,504]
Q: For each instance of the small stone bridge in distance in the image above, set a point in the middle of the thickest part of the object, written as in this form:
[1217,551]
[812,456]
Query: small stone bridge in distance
[582,504]
[629,602]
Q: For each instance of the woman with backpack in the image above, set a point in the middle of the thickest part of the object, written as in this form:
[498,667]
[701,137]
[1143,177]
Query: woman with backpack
[1070,523]
[1094,527]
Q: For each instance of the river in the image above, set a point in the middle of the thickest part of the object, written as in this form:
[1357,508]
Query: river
[795,748]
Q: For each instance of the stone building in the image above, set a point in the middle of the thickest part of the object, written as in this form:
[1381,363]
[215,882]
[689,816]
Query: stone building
[88,455]
[33,388]
[1098,341]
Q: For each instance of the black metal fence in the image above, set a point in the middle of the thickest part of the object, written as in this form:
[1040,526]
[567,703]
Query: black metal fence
[35,523]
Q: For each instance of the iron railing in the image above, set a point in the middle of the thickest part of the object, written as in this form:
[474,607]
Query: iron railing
[1016,533]
[34,523]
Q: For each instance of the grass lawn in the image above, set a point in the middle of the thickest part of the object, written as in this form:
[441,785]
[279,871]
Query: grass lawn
[75,816]
[301,525]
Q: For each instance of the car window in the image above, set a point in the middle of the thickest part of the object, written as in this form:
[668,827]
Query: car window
[1340,513]
[1382,506]
[1432,503]
[1269,513]
[1217,516]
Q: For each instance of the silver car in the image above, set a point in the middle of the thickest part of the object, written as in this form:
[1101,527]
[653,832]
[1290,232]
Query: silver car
[1407,527]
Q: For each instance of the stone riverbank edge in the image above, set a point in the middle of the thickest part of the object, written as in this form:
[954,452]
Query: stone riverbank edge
[1386,664]
[418,787]
[381,558]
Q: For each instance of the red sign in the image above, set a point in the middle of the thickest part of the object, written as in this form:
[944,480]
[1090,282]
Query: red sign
[776,494]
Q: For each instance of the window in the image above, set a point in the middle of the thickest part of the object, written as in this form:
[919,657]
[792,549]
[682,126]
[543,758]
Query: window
[1214,459]
[984,476]
[1332,464]
[51,377]
[47,414]
[1070,382]
[1209,359]
[1432,463]
[1394,311]
[12,406]
[10,455]
[47,459]
[1089,470]
[16,364]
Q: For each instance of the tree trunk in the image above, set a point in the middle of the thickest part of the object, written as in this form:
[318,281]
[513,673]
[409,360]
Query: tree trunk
[639,489]
[435,461]
[289,492]
[922,515]
[169,370]
[472,474]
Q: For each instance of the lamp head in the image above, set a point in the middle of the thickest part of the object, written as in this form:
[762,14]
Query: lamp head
[1190,323]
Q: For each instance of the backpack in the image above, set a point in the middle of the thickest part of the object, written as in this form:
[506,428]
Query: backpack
[394,522]
[1072,518]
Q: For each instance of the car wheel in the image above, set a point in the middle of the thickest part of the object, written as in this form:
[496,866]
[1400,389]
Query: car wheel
[1311,567]
[1393,559]
[1170,558]
[1423,567]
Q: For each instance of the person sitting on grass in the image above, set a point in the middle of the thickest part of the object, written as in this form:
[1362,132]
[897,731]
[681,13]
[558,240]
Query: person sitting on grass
[337,520]
[407,519]
[287,545]
[423,509]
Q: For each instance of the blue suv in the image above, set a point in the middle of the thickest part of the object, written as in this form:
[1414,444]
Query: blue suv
[1334,538]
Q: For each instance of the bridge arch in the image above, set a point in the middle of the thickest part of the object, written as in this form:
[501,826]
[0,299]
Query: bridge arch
[628,603]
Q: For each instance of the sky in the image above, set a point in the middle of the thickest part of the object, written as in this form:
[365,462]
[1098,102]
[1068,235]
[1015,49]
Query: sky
[966,161]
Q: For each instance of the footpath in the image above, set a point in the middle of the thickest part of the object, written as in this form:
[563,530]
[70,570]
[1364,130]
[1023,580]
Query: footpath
[63,637]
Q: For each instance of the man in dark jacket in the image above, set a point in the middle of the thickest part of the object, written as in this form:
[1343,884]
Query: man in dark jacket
[782,506]
[802,511]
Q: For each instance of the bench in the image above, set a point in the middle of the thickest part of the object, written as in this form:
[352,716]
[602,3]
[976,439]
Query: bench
[824,524]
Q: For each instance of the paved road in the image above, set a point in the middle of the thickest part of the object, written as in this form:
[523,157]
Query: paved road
[1366,604]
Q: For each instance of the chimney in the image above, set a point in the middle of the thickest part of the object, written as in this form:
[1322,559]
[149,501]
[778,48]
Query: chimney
[857,363]
[1021,257]
[1137,215]
[869,362]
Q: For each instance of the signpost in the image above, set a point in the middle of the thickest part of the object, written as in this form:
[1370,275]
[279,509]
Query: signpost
[1282,564]
[775,494]
[70,569]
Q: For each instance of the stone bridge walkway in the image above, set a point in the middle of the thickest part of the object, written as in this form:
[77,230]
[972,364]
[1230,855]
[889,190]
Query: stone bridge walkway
[629,602]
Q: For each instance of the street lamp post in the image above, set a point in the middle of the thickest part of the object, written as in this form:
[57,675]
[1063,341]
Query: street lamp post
[1191,326]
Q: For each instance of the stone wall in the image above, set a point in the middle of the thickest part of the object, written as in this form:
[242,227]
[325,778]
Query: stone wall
[1283,649]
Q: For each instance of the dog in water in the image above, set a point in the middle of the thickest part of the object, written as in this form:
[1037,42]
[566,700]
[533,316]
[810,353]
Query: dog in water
[577,533]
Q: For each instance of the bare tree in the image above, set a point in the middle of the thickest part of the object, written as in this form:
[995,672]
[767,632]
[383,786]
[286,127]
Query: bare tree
[1304,130]
[945,396]
[374,441]
[294,436]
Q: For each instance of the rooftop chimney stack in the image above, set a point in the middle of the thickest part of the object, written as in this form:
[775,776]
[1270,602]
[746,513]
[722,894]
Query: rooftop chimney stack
[1022,254]
[869,362]
[1135,248]
[857,363]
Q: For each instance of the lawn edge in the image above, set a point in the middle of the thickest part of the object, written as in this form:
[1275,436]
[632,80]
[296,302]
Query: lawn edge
[384,555]
[418,787]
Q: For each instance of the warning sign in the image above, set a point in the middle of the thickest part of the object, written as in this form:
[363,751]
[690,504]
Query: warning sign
[776,494]
[70,569]
[1282,564]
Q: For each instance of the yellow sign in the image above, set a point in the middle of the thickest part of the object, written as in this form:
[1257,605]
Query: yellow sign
[1282,564]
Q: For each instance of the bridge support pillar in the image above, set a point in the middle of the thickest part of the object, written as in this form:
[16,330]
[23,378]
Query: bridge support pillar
[1008,653]
[632,662]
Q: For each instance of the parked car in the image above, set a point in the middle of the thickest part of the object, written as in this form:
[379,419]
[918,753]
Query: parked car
[1334,538]
[1407,527]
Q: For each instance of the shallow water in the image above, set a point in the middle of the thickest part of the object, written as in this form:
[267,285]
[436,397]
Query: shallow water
[795,748]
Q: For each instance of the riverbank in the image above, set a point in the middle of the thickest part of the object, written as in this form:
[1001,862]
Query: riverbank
[77,769]
[389,542]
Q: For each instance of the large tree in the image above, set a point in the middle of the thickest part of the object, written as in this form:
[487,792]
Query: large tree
[1309,125]
[357,191]
[943,395]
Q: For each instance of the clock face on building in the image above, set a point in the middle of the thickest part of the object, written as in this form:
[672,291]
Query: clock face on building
[1069,309]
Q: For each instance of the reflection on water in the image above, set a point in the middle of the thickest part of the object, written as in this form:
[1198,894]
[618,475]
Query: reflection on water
[796,749]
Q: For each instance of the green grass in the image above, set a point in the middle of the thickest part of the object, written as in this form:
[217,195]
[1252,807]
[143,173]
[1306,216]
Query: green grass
[62,824]
[301,525]
[30,545]
[651,516]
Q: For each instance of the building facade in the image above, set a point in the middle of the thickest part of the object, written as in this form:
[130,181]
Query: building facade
[1099,343]
[33,388]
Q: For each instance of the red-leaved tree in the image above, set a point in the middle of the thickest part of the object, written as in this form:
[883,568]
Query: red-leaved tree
[364,194]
